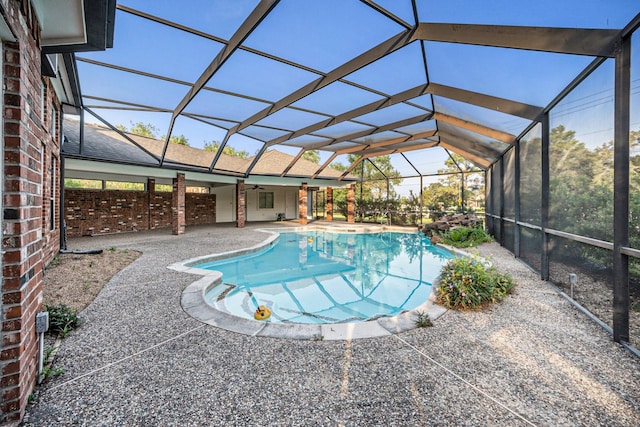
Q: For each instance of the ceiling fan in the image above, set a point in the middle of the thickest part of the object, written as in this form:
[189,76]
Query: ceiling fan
[257,187]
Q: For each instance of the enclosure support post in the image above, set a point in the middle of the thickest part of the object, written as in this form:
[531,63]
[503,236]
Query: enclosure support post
[462,202]
[544,202]
[516,187]
[388,213]
[501,189]
[421,199]
[621,192]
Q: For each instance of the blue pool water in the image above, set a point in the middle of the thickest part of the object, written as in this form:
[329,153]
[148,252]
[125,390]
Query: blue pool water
[322,277]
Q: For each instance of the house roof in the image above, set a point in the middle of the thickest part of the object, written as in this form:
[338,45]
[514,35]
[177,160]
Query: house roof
[105,144]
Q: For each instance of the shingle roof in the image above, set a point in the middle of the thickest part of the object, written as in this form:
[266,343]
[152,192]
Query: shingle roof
[102,143]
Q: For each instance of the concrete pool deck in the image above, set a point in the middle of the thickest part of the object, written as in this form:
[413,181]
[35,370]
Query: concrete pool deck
[139,359]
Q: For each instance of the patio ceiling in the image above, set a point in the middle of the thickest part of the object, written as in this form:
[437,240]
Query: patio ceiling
[346,76]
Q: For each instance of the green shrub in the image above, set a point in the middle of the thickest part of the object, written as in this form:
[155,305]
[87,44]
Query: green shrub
[62,319]
[466,283]
[465,237]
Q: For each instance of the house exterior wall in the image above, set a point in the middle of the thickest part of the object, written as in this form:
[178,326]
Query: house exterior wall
[255,213]
[30,190]
[225,206]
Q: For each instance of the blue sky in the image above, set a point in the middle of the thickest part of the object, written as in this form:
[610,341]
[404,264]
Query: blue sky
[323,35]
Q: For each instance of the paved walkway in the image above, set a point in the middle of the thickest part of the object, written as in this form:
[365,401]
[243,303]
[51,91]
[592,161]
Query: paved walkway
[139,359]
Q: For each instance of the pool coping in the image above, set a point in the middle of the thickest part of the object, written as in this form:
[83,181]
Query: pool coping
[193,300]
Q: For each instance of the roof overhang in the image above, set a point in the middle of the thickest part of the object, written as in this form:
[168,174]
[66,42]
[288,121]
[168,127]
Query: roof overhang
[90,169]
[75,25]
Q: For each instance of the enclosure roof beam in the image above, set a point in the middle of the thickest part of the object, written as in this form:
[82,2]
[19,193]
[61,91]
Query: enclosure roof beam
[386,13]
[386,47]
[502,105]
[478,160]
[324,165]
[356,112]
[245,29]
[477,128]
[384,153]
[472,145]
[374,130]
[577,41]
[293,162]
[387,142]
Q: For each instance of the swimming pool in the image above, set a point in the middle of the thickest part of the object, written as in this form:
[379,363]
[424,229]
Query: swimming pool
[325,277]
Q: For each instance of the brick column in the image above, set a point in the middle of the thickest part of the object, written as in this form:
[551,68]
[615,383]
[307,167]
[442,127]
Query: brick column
[151,198]
[302,204]
[329,204]
[177,205]
[351,203]
[241,204]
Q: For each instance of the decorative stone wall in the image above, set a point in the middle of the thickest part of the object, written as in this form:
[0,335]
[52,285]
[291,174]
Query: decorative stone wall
[200,208]
[329,204]
[94,212]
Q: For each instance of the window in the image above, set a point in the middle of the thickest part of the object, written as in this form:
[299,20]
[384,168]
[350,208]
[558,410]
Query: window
[265,200]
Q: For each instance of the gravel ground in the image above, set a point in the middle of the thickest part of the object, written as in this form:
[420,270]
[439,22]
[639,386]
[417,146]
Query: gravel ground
[139,359]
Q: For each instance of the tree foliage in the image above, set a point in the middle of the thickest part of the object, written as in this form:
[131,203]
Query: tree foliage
[228,150]
[150,131]
[447,192]
[312,156]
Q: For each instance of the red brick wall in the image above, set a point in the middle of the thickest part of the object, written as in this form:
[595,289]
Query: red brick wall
[91,212]
[28,239]
[160,211]
[241,204]
[178,205]
[200,208]
[329,204]
[94,212]
[302,204]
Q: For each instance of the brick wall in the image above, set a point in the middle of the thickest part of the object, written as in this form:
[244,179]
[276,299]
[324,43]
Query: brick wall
[91,212]
[302,204]
[200,209]
[30,179]
[94,212]
[160,211]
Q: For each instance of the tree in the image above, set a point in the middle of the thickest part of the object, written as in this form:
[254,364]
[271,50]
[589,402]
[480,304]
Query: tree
[228,150]
[312,156]
[177,139]
[447,191]
[150,131]
[143,129]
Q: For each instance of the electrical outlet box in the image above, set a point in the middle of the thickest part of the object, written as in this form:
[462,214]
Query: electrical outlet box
[573,279]
[42,322]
